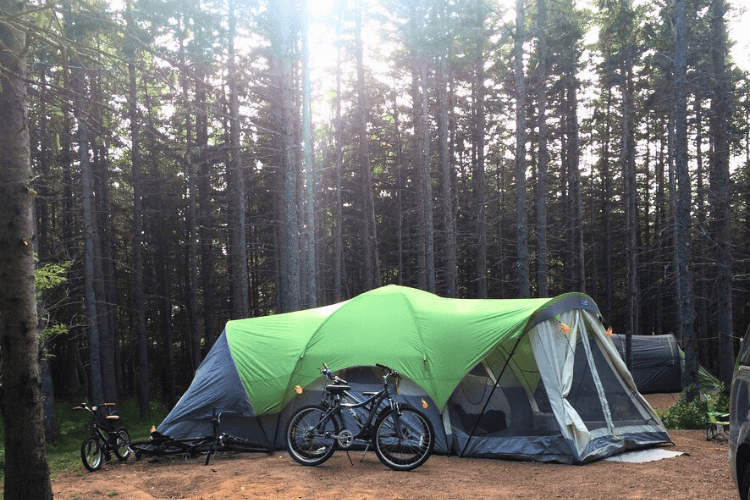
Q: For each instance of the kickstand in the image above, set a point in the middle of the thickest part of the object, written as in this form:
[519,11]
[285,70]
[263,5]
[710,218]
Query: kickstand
[350,458]
[367,447]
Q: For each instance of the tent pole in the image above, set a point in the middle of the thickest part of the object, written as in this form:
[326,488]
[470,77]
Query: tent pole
[497,381]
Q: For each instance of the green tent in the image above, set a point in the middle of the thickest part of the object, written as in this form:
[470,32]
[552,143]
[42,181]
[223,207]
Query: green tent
[528,378]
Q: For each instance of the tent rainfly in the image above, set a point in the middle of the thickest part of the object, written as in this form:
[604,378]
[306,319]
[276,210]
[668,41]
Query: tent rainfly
[531,379]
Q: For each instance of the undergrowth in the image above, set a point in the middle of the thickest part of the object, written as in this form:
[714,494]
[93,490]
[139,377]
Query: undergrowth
[691,413]
[64,453]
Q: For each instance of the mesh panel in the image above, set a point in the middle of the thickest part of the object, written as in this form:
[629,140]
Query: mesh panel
[621,403]
[583,394]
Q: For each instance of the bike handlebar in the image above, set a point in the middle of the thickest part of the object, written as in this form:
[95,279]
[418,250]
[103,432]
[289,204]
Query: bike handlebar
[329,374]
[390,372]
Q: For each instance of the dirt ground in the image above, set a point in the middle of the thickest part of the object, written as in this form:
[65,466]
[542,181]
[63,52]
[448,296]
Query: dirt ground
[702,472]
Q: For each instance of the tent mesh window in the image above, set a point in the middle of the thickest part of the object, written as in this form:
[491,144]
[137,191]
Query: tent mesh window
[625,408]
[584,396]
[507,410]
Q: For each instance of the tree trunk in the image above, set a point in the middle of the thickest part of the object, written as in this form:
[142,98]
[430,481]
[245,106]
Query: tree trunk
[682,220]
[607,213]
[338,257]
[139,299]
[627,161]
[371,264]
[417,164]
[310,281]
[102,232]
[543,157]
[399,194]
[575,184]
[205,213]
[238,229]
[26,469]
[720,195]
[161,272]
[700,243]
[451,277]
[289,251]
[192,221]
[90,302]
[429,232]
[521,217]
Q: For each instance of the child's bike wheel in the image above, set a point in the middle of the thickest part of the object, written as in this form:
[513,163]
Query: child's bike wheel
[91,454]
[122,444]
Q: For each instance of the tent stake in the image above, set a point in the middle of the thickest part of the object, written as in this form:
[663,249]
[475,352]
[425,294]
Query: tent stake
[497,381]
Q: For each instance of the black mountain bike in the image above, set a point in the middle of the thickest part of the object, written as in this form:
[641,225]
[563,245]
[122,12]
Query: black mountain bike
[161,445]
[402,436]
[107,437]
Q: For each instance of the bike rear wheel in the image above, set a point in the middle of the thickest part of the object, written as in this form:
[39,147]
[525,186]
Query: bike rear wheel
[91,454]
[409,448]
[309,441]
[122,445]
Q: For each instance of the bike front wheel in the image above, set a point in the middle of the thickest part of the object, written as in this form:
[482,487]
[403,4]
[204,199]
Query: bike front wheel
[91,454]
[404,439]
[122,444]
[309,440]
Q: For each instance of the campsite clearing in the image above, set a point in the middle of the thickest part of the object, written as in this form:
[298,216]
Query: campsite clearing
[701,473]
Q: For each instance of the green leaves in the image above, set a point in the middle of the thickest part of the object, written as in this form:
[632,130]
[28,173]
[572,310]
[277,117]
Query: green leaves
[50,276]
[47,278]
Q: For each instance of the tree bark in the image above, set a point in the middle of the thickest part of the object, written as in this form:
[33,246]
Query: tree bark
[26,469]
[543,157]
[682,220]
[139,299]
[238,229]
[87,204]
[521,217]
[102,231]
[451,276]
[338,257]
[720,195]
[372,260]
[426,164]
[205,211]
[573,156]
[289,231]
[192,221]
[310,281]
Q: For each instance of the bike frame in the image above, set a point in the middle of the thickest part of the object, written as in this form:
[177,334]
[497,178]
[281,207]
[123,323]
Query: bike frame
[373,410]
[161,445]
[108,441]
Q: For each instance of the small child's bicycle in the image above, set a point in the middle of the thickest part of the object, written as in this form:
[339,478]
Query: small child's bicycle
[402,436]
[107,436]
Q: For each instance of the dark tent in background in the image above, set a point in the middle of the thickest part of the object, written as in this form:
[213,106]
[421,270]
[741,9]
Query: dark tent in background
[658,362]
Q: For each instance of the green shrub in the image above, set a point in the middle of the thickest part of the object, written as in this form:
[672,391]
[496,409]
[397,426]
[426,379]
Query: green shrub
[691,413]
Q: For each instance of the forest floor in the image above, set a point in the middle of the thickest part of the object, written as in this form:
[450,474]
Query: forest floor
[702,472]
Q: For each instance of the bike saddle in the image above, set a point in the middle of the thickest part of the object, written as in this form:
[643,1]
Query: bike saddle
[337,389]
